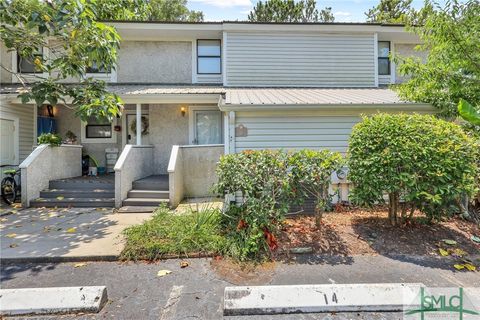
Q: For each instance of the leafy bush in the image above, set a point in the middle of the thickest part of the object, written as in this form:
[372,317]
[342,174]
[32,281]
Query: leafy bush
[262,178]
[167,233]
[270,181]
[418,160]
[50,139]
[311,172]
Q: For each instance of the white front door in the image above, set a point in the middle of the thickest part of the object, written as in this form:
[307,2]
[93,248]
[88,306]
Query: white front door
[208,127]
[131,129]
[7,142]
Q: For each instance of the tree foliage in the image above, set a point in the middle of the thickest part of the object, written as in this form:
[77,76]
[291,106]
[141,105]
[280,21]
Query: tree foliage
[75,42]
[142,10]
[290,11]
[451,71]
[390,11]
[398,11]
[420,161]
[173,10]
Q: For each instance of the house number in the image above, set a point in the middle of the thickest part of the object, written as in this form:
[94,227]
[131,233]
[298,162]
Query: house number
[334,298]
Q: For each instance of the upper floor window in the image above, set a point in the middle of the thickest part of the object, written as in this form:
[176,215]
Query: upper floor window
[97,69]
[26,65]
[383,58]
[209,59]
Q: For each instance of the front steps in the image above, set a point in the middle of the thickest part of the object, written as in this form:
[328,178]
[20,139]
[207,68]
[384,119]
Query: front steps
[78,192]
[150,191]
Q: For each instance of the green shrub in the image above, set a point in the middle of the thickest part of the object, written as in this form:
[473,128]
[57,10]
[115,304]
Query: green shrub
[311,171]
[167,233]
[50,139]
[262,178]
[270,182]
[420,161]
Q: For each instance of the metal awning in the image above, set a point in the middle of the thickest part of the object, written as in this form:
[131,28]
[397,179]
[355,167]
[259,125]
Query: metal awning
[248,99]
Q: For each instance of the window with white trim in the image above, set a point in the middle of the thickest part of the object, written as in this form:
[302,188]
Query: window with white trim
[384,58]
[26,65]
[209,57]
[98,131]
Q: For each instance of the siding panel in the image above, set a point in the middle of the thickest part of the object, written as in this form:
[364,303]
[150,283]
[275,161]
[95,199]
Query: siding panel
[325,60]
[277,131]
[24,113]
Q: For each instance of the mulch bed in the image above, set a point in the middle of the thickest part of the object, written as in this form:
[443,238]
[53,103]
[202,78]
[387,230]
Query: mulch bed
[355,231]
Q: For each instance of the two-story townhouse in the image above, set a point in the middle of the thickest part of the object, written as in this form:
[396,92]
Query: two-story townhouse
[199,90]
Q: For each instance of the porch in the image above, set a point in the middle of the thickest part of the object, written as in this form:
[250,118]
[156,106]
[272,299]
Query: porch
[139,174]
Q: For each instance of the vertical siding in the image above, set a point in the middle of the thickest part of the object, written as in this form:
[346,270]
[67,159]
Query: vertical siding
[277,130]
[25,122]
[328,60]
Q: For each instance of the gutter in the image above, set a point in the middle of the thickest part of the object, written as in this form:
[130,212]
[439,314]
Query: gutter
[407,106]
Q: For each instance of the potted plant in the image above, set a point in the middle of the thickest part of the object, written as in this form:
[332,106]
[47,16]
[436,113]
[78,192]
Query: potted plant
[71,138]
[51,139]
[92,166]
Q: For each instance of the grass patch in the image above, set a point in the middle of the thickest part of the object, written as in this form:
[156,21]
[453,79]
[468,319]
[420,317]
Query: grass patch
[196,232]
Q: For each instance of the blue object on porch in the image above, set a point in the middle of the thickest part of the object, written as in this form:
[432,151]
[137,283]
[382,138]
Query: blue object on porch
[46,125]
[101,170]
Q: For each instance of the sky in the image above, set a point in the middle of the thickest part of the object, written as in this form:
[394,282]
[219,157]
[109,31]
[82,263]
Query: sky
[344,10]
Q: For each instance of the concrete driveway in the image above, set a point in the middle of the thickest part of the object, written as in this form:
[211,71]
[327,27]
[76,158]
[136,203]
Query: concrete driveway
[37,234]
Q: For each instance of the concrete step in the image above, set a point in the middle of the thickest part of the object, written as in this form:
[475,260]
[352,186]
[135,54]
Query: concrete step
[144,202]
[73,202]
[157,182]
[81,185]
[70,193]
[149,194]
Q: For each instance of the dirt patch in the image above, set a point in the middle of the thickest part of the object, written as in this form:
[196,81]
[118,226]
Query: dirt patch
[367,232]
[243,273]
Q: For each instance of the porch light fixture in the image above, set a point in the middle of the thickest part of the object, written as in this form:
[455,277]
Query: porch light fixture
[183,110]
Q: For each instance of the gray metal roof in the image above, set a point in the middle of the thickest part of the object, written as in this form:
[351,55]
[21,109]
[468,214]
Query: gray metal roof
[135,89]
[310,96]
[243,97]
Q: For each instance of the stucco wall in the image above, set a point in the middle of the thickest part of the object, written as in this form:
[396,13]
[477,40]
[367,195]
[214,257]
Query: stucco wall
[66,120]
[6,58]
[406,50]
[167,128]
[155,61]
[135,162]
[199,165]
[48,163]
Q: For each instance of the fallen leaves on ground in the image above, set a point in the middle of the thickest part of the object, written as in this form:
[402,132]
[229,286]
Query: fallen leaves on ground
[11,235]
[450,242]
[163,273]
[71,230]
[79,265]
[13,245]
[60,197]
[183,264]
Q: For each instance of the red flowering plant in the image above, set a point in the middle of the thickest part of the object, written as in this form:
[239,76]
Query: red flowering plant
[267,182]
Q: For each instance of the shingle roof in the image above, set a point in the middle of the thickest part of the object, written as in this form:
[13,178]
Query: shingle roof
[310,96]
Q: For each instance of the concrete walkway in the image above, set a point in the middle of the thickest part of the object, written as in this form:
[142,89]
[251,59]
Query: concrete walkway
[64,234]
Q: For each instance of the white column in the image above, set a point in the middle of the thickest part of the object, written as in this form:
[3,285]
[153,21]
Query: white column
[139,124]
[231,123]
